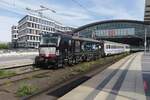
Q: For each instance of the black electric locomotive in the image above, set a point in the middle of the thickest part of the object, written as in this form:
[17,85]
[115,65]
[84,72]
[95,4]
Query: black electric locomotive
[57,49]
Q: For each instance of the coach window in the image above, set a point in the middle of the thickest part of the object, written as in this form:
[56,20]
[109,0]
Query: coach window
[107,46]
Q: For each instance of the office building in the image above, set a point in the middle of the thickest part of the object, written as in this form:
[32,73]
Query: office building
[14,36]
[31,27]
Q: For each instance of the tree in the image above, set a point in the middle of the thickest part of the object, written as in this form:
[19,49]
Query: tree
[4,46]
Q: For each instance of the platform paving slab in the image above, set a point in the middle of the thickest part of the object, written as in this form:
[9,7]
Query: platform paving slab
[125,84]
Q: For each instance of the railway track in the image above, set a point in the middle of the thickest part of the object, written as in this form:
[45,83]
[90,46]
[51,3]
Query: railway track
[21,75]
[18,70]
[59,90]
[53,80]
[10,68]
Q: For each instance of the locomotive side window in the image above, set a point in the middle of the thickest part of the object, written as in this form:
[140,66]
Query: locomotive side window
[96,46]
[88,47]
[83,46]
[77,46]
[65,42]
[70,42]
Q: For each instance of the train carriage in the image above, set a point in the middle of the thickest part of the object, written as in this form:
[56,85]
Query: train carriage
[57,49]
[111,48]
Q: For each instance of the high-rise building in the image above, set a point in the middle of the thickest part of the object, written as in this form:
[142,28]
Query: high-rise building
[30,27]
[14,36]
[147,11]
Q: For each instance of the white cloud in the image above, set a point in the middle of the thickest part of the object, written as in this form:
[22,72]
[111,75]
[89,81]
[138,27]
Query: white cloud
[139,10]
[117,11]
[76,15]
[73,15]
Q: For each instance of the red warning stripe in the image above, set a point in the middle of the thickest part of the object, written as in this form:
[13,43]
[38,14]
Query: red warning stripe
[145,86]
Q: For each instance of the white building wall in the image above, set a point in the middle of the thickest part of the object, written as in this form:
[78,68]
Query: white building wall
[30,28]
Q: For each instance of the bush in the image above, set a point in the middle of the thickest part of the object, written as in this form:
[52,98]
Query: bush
[86,66]
[3,46]
[26,89]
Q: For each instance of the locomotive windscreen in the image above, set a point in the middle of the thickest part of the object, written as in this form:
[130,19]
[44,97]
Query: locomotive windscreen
[50,39]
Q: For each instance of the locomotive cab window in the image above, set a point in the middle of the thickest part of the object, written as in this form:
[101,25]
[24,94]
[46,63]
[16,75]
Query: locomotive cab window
[50,39]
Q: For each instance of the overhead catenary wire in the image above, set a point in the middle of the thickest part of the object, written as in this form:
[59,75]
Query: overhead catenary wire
[8,3]
[83,7]
[13,6]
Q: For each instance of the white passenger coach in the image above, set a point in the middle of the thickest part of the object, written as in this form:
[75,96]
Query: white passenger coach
[111,48]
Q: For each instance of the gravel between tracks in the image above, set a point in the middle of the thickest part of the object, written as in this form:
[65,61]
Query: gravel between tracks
[54,77]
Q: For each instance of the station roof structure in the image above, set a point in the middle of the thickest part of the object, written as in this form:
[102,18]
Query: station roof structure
[123,31]
[110,21]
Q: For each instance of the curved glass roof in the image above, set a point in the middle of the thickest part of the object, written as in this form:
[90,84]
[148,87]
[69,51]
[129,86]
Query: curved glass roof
[115,22]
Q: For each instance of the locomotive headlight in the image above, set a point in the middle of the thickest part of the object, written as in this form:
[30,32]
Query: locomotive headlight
[57,52]
[99,47]
[47,55]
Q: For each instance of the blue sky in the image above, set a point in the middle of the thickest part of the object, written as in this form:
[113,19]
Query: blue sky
[68,12]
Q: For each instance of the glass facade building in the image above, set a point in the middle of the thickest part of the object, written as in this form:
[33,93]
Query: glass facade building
[121,30]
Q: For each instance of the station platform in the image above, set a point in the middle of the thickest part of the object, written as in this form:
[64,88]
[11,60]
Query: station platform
[128,79]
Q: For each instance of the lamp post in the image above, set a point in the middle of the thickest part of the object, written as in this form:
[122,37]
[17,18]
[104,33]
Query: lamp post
[145,41]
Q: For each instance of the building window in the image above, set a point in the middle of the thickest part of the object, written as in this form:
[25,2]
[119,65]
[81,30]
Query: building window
[36,20]
[38,26]
[33,37]
[39,20]
[37,32]
[29,24]
[32,25]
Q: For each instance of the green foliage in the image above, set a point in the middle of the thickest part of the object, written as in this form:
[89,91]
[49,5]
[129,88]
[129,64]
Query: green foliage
[4,46]
[83,67]
[26,89]
[4,73]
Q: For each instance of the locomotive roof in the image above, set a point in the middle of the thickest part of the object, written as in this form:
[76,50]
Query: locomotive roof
[62,34]
[75,37]
[85,39]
